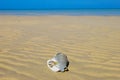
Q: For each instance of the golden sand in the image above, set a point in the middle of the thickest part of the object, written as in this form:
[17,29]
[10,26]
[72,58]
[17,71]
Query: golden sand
[92,44]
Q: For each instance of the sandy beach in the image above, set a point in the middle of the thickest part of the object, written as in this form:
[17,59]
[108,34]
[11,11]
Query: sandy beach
[92,44]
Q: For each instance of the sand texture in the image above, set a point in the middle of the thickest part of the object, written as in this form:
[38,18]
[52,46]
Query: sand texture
[92,44]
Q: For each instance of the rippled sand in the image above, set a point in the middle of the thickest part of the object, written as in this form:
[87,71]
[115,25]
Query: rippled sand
[92,44]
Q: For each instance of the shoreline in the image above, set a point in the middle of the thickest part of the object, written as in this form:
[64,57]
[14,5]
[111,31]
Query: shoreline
[69,12]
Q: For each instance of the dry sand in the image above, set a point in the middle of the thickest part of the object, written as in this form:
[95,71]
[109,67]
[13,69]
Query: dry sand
[92,44]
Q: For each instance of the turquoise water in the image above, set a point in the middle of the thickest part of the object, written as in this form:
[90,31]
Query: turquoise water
[74,12]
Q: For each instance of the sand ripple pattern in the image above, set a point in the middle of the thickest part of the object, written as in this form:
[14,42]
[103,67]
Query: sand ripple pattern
[92,45]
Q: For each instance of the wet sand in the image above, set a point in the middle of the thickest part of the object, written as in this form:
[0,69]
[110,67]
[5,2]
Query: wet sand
[92,44]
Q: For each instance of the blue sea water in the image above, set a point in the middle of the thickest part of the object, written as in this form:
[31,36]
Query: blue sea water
[73,12]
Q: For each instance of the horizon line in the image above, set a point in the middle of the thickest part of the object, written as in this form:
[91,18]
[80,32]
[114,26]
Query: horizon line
[60,9]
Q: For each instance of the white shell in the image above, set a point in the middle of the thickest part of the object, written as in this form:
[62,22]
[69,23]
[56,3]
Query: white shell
[54,68]
[58,63]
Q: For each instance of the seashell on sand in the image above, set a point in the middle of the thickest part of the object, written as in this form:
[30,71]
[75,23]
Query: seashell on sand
[59,63]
